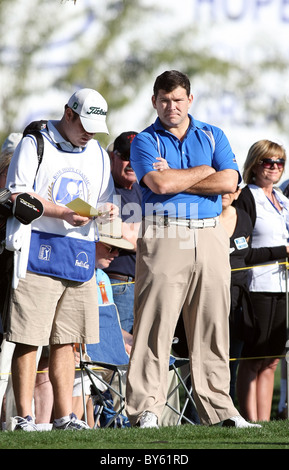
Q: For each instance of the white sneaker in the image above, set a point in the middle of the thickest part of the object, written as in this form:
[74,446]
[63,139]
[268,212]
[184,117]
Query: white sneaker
[72,423]
[239,422]
[23,424]
[148,420]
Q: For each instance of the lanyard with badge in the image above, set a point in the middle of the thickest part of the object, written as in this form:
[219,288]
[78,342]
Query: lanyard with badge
[284,216]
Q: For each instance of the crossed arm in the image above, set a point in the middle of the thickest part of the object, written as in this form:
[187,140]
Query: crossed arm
[201,179]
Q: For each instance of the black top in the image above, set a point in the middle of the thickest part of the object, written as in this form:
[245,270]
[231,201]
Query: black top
[241,253]
[246,202]
[245,255]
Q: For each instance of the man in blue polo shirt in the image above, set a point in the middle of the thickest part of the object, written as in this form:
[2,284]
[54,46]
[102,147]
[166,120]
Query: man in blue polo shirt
[182,258]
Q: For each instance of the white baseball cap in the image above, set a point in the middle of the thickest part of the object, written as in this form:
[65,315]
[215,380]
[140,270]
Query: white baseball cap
[92,109]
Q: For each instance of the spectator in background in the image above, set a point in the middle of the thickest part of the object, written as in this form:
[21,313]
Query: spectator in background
[122,269]
[7,150]
[7,349]
[239,227]
[269,213]
[42,393]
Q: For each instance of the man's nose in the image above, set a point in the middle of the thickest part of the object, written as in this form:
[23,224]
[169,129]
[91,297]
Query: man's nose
[171,104]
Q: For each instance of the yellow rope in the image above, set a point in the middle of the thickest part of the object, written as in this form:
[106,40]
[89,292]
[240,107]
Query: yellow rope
[231,359]
[260,265]
[280,263]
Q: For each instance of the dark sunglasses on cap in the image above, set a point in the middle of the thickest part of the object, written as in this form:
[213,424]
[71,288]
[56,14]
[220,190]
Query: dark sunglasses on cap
[124,158]
[268,163]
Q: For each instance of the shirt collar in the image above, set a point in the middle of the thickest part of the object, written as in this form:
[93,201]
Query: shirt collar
[58,139]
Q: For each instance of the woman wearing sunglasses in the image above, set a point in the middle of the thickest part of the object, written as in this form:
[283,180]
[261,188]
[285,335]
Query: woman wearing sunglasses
[269,212]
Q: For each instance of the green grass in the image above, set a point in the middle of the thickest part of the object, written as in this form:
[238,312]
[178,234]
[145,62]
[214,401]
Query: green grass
[273,435]
[170,440]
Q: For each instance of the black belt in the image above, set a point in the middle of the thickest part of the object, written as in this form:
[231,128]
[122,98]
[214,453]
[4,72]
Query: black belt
[120,277]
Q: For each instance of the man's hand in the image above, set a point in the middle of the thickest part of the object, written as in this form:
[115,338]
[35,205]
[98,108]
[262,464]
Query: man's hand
[74,219]
[108,212]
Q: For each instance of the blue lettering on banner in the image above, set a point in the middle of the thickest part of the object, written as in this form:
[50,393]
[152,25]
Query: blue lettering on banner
[259,6]
[238,10]
[285,11]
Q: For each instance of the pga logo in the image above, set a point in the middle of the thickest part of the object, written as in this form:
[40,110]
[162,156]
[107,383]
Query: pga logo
[44,252]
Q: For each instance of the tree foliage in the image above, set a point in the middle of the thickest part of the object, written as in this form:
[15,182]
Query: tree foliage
[118,50]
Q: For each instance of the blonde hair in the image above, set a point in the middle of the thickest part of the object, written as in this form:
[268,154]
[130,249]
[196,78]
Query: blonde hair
[257,152]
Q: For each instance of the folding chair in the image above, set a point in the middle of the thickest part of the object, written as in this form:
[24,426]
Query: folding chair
[175,364]
[180,349]
[109,354]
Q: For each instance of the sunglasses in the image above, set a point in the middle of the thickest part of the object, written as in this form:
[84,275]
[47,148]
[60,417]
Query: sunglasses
[111,248]
[268,163]
[124,158]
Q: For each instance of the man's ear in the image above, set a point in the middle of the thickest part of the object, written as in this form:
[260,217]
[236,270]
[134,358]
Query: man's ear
[68,114]
[154,101]
[191,99]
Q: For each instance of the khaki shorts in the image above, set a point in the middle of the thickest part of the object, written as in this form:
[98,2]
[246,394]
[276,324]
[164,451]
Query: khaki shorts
[48,310]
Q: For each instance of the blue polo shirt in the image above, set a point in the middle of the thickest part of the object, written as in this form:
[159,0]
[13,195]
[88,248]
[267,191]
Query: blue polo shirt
[203,145]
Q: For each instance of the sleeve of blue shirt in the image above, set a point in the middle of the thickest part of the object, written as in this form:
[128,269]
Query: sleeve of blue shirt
[223,156]
[143,153]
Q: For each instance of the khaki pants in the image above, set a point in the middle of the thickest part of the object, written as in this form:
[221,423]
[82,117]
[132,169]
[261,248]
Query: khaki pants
[181,269]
